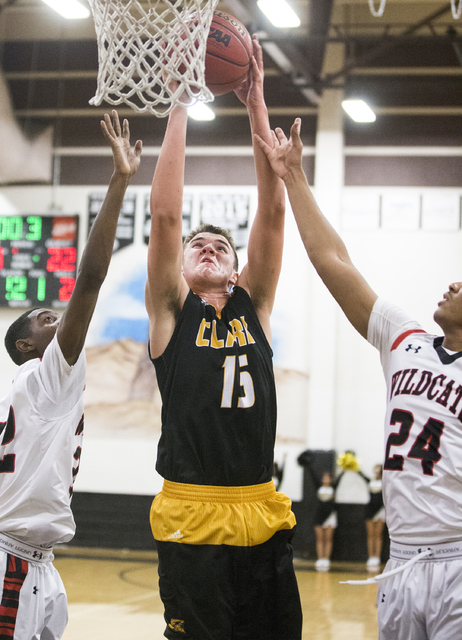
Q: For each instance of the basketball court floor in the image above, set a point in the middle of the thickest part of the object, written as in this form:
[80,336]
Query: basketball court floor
[113,596]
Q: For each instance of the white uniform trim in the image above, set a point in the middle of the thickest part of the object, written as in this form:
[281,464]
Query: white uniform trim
[25,551]
[438,552]
[410,554]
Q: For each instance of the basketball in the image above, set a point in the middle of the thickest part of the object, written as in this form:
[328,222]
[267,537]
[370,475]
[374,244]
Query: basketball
[229,54]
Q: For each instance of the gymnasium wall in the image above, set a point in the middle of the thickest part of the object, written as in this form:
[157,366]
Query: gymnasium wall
[400,218]
[406,241]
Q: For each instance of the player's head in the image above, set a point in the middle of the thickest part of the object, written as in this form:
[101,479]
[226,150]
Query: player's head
[449,312]
[220,231]
[209,258]
[30,334]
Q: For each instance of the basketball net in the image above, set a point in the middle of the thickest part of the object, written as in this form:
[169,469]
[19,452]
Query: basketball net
[151,53]
[456,11]
[377,13]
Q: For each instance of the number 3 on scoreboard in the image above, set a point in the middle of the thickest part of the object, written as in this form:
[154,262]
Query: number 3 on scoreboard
[426,446]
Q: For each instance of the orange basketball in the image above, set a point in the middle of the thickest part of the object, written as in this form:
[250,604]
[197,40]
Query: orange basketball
[229,54]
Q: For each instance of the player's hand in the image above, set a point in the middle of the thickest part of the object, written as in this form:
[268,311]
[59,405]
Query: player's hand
[285,154]
[126,159]
[250,91]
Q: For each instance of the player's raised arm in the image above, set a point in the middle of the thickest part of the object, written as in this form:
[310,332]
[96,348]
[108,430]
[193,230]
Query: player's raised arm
[260,275]
[324,246]
[73,326]
[166,288]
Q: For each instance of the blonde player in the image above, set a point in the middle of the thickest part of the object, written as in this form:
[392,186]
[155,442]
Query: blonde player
[422,477]
[223,533]
[41,426]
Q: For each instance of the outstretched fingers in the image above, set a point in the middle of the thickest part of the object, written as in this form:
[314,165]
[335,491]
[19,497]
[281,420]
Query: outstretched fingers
[108,132]
[279,136]
[126,129]
[264,146]
[111,126]
[295,129]
[138,148]
[115,122]
[257,58]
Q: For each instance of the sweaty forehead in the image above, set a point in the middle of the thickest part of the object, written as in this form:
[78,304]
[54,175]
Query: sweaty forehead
[37,312]
[208,236]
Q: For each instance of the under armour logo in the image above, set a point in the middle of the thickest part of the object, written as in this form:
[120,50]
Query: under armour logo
[383,597]
[35,591]
[416,349]
[37,554]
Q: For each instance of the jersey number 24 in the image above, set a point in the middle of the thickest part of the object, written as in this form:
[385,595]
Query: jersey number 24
[426,446]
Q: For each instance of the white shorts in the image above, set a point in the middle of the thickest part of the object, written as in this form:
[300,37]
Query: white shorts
[331,521]
[33,601]
[379,516]
[423,602]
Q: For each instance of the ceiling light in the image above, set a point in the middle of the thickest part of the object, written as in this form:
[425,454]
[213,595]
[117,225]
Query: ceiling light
[278,56]
[201,111]
[70,9]
[279,13]
[358,110]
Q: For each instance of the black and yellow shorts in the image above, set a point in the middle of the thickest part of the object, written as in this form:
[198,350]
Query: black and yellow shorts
[225,562]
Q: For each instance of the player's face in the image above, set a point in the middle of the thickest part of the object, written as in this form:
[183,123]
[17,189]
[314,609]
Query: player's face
[43,324]
[209,261]
[449,311]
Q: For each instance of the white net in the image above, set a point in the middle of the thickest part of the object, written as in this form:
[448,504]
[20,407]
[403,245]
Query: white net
[456,10]
[377,13]
[151,53]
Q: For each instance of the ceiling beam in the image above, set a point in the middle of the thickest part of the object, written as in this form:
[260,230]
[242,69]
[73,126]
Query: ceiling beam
[383,47]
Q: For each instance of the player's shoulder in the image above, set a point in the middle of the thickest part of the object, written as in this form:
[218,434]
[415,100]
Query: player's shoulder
[388,322]
[386,311]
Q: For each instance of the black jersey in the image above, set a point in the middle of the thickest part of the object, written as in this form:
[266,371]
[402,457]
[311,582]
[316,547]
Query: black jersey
[218,396]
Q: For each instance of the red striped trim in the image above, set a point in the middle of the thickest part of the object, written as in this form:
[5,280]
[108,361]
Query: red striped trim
[15,575]
[403,336]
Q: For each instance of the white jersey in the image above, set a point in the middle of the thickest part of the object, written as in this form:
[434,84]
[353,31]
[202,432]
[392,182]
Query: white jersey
[422,475]
[41,423]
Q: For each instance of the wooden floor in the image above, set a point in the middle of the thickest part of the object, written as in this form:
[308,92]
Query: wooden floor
[113,596]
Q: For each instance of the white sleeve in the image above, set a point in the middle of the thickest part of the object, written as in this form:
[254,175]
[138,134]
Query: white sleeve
[55,386]
[386,323]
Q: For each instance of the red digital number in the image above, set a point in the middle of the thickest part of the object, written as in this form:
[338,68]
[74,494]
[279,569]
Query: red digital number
[61,259]
[67,288]
[1,257]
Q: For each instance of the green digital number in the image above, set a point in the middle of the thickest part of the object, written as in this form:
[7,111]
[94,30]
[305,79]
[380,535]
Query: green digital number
[16,287]
[41,288]
[35,228]
[10,228]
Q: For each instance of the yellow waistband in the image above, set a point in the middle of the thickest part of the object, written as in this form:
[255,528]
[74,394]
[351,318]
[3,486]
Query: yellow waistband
[207,493]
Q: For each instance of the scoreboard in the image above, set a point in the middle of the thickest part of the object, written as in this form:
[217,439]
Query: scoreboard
[38,259]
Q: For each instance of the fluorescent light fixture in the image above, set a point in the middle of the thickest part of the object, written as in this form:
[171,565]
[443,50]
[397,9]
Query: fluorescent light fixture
[69,9]
[278,56]
[279,13]
[358,110]
[200,111]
